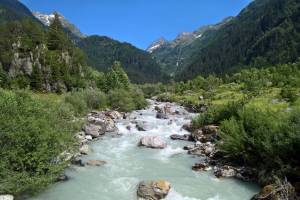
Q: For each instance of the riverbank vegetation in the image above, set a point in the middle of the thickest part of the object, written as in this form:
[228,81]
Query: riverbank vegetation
[258,111]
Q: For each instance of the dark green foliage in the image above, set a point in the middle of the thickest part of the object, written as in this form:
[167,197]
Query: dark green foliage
[116,78]
[57,40]
[33,134]
[102,52]
[263,139]
[291,94]
[120,99]
[263,34]
[218,113]
[11,10]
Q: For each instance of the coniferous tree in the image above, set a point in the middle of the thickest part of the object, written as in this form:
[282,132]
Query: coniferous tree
[122,76]
[57,40]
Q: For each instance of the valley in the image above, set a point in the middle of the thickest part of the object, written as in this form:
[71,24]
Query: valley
[213,114]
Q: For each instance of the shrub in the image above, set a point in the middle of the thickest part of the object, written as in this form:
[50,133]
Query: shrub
[217,113]
[262,138]
[138,98]
[84,101]
[121,99]
[33,134]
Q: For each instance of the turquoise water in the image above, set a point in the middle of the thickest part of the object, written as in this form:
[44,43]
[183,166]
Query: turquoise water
[128,164]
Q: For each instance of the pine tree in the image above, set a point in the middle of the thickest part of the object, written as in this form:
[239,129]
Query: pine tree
[122,76]
[57,40]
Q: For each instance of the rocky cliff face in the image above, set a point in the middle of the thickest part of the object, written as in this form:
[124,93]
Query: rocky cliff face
[27,63]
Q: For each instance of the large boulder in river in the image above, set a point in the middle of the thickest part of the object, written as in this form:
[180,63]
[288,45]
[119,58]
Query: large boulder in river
[110,125]
[155,142]
[153,190]
[6,197]
[94,130]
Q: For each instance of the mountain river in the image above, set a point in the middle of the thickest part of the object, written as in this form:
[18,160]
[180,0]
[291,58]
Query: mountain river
[128,164]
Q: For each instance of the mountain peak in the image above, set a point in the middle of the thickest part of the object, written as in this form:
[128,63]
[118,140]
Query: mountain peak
[157,44]
[47,19]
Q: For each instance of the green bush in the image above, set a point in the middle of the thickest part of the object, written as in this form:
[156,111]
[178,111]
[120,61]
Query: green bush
[84,101]
[291,94]
[265,139]
[33,134]
[138,98]
[217,113]
[121,100]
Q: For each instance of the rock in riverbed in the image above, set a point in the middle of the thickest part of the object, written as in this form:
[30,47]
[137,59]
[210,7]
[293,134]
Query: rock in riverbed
[6,197]
[185,137]
[155,142]
[142,126]
[201,166]
[78,162]
[153,190]
[161,116]
[85,149]
[225,171]
[96,163]
[94,130]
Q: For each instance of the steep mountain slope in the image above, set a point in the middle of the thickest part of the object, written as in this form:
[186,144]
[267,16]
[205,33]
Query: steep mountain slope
[174,55]
[103,51]
[70,28]
[13,10]
[264,33]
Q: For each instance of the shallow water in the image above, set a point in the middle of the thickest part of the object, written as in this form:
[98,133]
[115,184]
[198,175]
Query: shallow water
[128,164]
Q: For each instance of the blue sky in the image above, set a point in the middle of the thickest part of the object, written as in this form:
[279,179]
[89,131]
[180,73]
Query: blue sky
[140,22]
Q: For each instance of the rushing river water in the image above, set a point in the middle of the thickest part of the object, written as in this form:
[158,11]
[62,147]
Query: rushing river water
[128,164]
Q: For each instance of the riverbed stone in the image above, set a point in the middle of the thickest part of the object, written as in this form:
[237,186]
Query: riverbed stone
[185,137]
[94,130]
[153,190]
[155,142]
[96,163]
[161,116]
[142,126]
[84,150]
[62,178]
[78,162]
[201,166]
[110,125]
[113,114]
[225,171]
[6,197]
